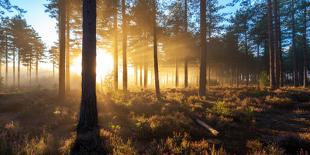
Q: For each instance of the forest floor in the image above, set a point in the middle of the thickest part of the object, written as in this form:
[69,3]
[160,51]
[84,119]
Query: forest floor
[249,121]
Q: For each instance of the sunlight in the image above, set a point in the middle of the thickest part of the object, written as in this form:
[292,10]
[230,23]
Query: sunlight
[104,64]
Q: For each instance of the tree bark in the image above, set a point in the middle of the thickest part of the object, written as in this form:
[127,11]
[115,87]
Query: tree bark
[68,61]
[276,44]
[270,44]
[6,59]
[136,75]
[157,88]
[176,73]
[30,70]
[18,70]
[115,20]
[14,57]
[88,141]
[62,50]
[186,73]
[186,58]
[37,67]
[125,84]
[141,75]
[305,71]
[203,61]
[295,68]
[146,71]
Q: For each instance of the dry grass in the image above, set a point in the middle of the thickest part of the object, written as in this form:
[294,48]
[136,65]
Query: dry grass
[250,121]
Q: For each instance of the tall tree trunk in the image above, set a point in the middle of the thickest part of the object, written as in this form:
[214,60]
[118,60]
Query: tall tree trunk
[14,57]
[176,73]
[62,50]
[53,70]
[145,74]
[157,88]
[88,130]
[295,68]
[203,57]
[37,68]
[140,75]
[18,70]
[186,73]
[209,75]
[271,50]
[125,85]
[305,71]
[247,54]
[6,59]
[276,44]
[30,70]
[68,58]
[115,23]
[186,58]
[280,61]
[136,75]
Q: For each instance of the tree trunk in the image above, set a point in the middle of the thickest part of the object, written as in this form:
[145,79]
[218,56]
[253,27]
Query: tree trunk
[125,85]
[145,74]
[53,70]
[176,73]
[115,20]
[203,61]
[186,73]
[68,61]
[271,49]
[6,60]
[30,70]
[62,50]
[186,59]
[136,75]
[247,54]
[88,141]
[305,71]
[209,75]
[14,57]
[141,75]
[157,88]
[276,44]
[295,68]
[37,69]
[18,70]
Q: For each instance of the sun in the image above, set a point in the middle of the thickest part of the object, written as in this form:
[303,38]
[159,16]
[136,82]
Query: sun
[104,64]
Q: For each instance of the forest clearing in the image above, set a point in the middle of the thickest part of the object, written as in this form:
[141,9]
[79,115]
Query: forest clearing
[248,121]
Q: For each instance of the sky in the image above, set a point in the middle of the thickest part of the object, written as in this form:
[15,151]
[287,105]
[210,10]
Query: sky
[46,26]
[39,19]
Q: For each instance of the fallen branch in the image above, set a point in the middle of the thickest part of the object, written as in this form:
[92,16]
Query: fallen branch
[208,127]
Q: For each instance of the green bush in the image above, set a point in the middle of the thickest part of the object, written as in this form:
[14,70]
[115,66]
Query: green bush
[220,108]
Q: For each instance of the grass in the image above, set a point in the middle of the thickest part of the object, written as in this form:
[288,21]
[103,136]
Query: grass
[249,121]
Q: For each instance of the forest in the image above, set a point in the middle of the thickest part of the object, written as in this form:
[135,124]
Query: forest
[167,77]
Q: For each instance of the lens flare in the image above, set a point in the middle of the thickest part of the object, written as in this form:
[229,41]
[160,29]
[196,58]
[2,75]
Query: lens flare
[104,64]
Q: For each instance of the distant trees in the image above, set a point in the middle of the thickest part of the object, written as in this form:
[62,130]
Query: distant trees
[20,45]
[238,47]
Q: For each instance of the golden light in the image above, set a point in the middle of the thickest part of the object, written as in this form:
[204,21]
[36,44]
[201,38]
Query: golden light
[104,64]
